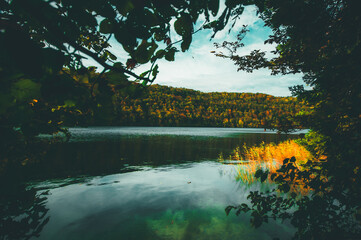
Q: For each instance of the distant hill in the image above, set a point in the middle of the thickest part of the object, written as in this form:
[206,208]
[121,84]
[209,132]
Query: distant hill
[169,106]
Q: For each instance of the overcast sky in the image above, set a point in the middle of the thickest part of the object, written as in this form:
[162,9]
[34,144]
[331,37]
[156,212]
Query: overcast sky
[200,69]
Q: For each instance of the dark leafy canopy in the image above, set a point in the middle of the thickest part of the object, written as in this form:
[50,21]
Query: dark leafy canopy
[43,44]
[322,40]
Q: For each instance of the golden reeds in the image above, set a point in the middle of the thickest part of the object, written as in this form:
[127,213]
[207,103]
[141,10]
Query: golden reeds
[266,156]
[272,152]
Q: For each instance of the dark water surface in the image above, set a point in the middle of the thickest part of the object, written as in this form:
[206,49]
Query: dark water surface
[138,183]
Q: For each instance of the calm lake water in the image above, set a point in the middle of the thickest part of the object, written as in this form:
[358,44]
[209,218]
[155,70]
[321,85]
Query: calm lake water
[138,183]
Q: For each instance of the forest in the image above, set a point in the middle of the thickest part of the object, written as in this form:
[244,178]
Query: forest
[168,106]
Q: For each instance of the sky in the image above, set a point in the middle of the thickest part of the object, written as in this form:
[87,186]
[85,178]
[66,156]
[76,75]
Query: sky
[199,69]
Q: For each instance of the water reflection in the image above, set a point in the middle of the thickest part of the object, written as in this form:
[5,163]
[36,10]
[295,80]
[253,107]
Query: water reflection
[182,201]
[129,186]
[23,212]
[97,155]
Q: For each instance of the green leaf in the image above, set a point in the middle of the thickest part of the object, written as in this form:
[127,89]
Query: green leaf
[69,103]
[124,7]
[169,56]
[144,52]
[116,78]
[213,5]
[144,73]
[25,89]
[155,71]
[183,25]
[106,26]
[118,65]
[186,43]
[123,36]
[160,54]
[111,55]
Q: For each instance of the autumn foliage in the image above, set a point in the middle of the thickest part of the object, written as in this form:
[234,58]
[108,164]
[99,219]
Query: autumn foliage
[167,106]
[266,156]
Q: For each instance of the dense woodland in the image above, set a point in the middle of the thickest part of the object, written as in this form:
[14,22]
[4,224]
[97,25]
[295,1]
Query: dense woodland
[168,106]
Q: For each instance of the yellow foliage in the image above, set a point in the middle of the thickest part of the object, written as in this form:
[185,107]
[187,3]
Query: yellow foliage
[266,156]
[272,152]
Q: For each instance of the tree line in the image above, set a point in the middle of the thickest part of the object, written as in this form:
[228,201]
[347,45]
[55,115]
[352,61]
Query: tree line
[168,106]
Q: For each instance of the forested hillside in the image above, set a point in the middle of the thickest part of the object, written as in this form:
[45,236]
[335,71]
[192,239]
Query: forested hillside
[168,106]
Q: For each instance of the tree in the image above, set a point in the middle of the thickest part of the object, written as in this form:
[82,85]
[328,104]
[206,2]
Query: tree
[43,44]
[320,39]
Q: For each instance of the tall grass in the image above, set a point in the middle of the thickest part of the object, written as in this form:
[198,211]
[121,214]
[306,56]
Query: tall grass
[265,156]
[271,152]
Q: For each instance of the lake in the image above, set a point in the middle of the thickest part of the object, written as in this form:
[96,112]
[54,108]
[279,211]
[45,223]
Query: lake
[138,183]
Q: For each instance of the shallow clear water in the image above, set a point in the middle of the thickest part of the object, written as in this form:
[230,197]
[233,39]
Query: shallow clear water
[140,183]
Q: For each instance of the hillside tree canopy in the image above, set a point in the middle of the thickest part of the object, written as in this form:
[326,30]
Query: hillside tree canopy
[44,42]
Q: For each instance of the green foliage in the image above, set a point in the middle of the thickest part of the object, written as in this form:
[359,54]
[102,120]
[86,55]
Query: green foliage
[43,45]
[320,40]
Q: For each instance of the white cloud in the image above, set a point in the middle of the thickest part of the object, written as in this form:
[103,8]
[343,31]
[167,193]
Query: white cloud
[201,70]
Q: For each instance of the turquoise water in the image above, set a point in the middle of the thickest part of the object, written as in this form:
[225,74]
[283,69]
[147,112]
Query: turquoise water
[139,183]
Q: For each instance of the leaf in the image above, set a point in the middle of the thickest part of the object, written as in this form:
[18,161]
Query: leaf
[258,173]
[284,188]
[106,26]
[69,103]
[228,209]
[273,175]
[123,36]
[116,78]
[169,56]
[155,71]
[160,54]
[25,89]
[183,25]
[144,73]
[213,5]
[124,7]
[245,208]
[186,43]
[111,55]
[212,24]
[256,220]
[145,51]
[264,176]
